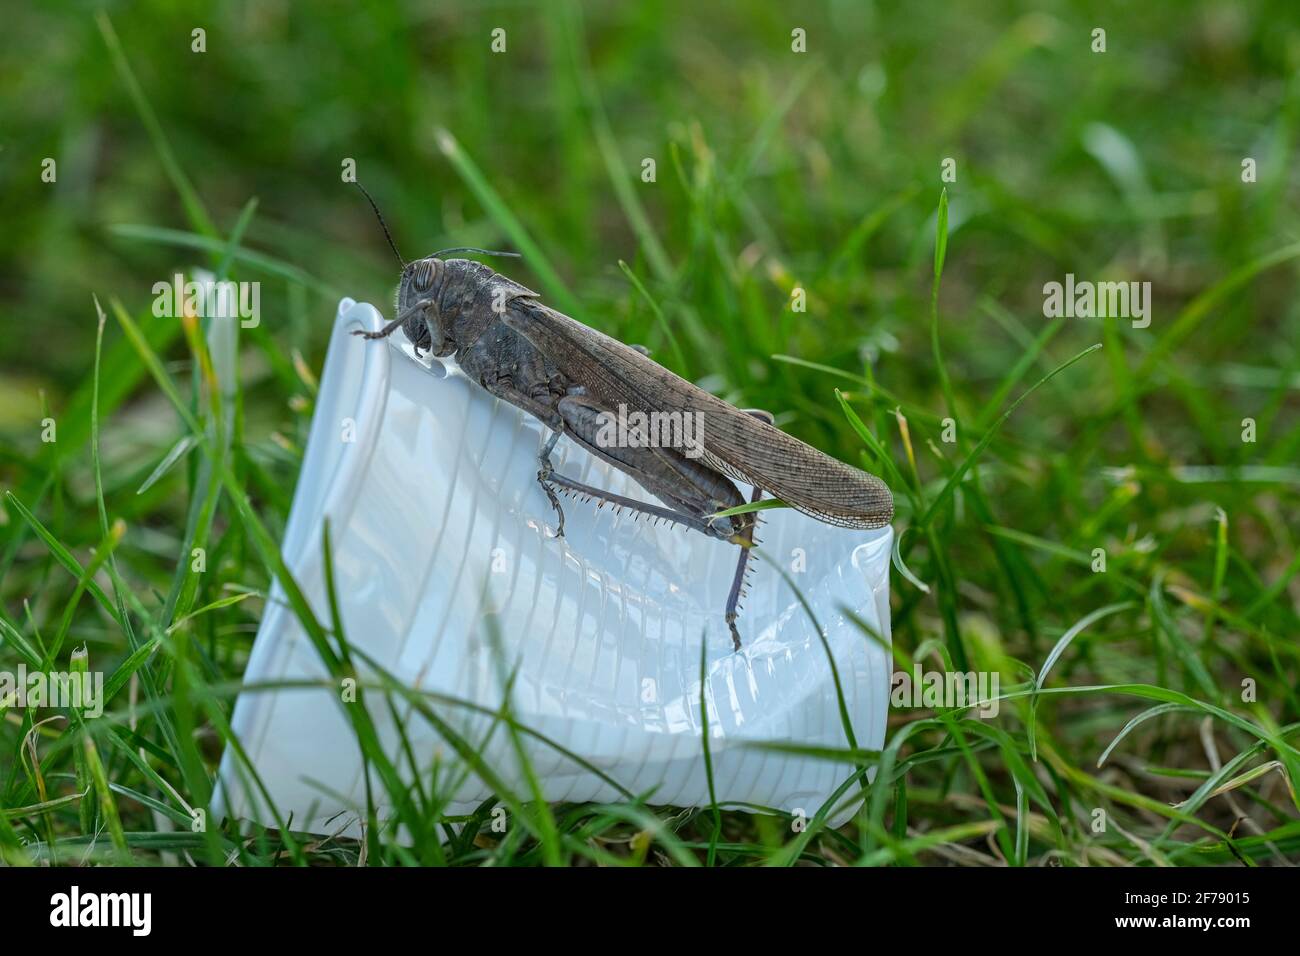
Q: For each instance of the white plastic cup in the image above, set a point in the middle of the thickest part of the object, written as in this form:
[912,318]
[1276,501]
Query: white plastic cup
[442,537]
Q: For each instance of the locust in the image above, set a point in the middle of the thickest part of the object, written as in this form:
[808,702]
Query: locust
[572,378]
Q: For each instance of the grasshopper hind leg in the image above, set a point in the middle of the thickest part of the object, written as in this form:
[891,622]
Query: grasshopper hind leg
[742,565]
[744,538]
[691,491]
[550,478]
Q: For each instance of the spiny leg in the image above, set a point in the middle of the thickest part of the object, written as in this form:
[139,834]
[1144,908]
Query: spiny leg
[734,597]
[693,491]
[547,477]
[680,483]
[743,564]
[686,486]
[655,511]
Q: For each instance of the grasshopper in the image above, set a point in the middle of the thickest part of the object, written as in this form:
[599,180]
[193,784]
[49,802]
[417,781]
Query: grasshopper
[572,378]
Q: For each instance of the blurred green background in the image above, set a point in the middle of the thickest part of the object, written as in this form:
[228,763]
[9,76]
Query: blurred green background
[774,170]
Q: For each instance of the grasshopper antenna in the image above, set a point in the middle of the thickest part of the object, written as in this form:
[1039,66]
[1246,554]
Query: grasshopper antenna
[481,252]
[382,225]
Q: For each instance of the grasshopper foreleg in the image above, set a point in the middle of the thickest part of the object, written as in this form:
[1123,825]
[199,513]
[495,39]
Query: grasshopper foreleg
[394,325]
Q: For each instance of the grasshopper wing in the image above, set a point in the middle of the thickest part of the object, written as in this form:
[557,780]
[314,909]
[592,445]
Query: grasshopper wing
[734,443]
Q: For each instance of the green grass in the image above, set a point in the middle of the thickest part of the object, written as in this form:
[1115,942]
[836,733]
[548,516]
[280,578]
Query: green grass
[774,170]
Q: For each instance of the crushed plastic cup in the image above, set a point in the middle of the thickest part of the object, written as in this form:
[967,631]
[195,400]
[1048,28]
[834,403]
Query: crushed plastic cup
[450,579]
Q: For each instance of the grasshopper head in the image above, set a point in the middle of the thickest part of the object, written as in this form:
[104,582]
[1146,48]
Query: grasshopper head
[447,303]
[433,294]
[417,297]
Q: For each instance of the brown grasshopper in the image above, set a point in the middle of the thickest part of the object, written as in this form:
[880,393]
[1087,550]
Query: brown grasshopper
[572,378]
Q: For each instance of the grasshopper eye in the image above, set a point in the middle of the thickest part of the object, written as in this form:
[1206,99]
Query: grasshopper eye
[423,276]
